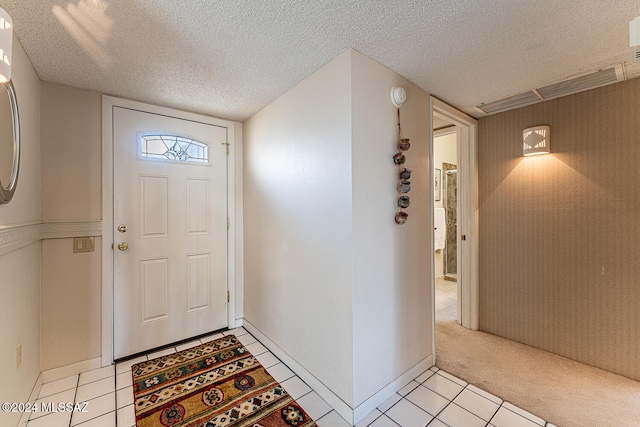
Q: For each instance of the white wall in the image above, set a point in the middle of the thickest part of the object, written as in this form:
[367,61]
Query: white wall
[391,294]
[71,141]
[20,269]
[445,150]
[329,277]
[297,224]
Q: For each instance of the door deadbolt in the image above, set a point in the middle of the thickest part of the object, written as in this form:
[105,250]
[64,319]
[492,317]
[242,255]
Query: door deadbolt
[122,228]
[123,246]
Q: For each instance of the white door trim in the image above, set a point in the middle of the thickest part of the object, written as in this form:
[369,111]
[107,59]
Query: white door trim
[437,133]
[234,211]
[468,211]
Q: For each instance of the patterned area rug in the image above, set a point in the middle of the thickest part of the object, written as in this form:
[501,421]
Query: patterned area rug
[212,385]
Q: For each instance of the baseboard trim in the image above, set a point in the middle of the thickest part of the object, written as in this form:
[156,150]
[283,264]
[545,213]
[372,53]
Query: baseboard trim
[73,369]
[343,409]
[35,392]
[366,407]
[352,415]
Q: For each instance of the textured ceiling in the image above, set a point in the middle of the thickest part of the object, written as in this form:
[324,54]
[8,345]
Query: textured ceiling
[231,58]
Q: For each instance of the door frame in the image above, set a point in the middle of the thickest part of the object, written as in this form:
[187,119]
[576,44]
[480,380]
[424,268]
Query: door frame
[437,133]
[468,267]
[234,212]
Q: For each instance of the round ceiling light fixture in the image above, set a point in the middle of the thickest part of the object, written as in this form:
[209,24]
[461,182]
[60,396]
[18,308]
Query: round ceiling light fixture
[398,96]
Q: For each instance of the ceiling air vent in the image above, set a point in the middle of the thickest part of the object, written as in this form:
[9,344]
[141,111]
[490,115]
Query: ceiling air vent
[509,103]
[579,84]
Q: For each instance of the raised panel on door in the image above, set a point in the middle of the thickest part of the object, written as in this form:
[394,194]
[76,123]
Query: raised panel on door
[198,200]
[154,289]
[171,282]
[154,206]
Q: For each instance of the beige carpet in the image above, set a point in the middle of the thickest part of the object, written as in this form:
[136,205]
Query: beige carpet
[561,391]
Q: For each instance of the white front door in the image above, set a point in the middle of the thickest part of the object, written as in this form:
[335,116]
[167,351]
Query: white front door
[170,229]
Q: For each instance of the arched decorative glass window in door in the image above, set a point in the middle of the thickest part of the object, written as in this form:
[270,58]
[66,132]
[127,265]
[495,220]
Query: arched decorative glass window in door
[174,148]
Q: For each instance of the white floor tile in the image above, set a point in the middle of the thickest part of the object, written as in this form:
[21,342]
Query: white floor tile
[524,413]
[295,387]
[280,372]
[256,348]
[476,404]
[127,364]
[443,386]
[106,420]
[332,419]
[437,423]
[210,338]
[455,416]
[452,378]
[485,394]
[59,385]
[96,389]
[124,380]
[246,339]
[434,369]
[161,353]
[96,408]
[267,359]
[59,419]
[424,376]
[314,405]
[428,400]
[507,418]
[371,417]
[407,414]
[124,397]
[384,406]
[384,421]
[408,388]
[126,416]
[238,332]
[96,374]
[67,396]
[188,345]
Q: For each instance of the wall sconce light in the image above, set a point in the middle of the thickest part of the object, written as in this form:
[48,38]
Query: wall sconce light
[634,40]
[6,40]
[536,140]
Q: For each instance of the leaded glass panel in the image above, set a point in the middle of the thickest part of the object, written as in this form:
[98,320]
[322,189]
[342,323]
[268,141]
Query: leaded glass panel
[173,147]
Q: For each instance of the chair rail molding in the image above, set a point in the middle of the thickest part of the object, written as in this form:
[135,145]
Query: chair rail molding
[16,236]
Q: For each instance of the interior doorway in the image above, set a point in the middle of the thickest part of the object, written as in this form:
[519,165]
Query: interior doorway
[454,169]
[445,154]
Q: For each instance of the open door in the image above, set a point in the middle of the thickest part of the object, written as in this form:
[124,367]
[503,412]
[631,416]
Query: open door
[466,207]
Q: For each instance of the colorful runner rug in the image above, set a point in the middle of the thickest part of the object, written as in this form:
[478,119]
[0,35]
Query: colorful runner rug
[217,384]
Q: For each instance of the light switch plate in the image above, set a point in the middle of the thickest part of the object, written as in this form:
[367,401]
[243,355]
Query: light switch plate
[83,244]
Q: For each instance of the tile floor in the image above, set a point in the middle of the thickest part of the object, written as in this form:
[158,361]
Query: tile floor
[434,398]
[446,300]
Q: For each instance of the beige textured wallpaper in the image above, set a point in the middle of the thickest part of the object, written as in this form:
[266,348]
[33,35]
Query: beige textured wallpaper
[560,234]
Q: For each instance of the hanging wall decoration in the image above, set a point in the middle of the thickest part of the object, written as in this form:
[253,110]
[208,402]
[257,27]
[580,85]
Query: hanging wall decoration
[404,185]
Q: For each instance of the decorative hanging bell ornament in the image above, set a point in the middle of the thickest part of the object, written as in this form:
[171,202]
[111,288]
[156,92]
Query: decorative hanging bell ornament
[404,186]
[404,201]
[399,159]
[401,217]
[404,144]
[405,174]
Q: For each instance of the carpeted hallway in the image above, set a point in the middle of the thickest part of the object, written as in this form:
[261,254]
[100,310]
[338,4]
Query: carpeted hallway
[563,392]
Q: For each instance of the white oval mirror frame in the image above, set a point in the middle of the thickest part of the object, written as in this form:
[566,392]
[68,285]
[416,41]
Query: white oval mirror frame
[6,191]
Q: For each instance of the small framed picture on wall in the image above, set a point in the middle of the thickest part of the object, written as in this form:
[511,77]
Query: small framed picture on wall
[437,188]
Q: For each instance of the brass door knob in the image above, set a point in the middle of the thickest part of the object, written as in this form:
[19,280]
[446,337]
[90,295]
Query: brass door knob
[123,246]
